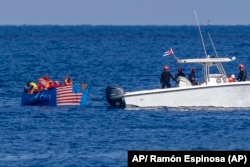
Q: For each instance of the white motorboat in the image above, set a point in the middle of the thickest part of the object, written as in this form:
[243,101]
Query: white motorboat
[215,91]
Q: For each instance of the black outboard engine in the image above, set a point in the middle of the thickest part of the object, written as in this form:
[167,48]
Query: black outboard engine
[115,96]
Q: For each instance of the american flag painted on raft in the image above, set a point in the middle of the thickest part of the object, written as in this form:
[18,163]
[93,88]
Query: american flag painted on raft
[70,95]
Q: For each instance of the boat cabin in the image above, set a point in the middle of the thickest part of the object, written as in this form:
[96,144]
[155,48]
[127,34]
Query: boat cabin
[208,62]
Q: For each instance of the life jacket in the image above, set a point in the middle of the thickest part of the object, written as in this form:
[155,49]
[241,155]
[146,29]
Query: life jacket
[56,84]
[49,83]
[231,79]
[43,84]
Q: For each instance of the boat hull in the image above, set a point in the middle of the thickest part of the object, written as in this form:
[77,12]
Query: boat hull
[221,95]
[75,94]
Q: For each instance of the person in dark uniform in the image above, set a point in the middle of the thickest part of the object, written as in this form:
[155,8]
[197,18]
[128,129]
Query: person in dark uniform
[165,78]
[179,73]
[242,74]
[191,77]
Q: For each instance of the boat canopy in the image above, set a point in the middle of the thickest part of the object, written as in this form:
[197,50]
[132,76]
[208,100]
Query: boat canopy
[206,60]
[206,63]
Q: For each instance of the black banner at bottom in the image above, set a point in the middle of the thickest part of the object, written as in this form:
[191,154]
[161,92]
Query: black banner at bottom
[188,158]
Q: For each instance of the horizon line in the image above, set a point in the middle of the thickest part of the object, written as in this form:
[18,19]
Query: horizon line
[123,25]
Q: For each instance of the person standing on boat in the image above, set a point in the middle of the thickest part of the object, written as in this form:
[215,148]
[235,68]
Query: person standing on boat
[165,78]
[242,74]
[179,73]
[191,77]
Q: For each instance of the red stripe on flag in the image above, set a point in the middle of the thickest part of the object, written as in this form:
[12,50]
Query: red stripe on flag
[65,96]
[69,95]
[70,98]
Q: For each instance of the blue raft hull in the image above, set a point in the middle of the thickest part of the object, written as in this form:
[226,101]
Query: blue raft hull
[64,95]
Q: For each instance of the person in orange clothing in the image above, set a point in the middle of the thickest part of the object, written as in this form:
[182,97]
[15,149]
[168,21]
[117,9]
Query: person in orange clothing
[68,81]
[232,78]
[56,84]
[49,82]
[44,83]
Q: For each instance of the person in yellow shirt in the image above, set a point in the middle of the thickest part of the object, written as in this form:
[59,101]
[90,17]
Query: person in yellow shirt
[31,87]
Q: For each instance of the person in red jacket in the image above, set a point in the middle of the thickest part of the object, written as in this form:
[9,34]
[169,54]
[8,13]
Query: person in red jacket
[56,84]
[68,81]
[44,83]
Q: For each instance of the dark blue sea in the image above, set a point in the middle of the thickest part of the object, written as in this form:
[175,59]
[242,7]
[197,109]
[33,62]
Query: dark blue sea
[127,56]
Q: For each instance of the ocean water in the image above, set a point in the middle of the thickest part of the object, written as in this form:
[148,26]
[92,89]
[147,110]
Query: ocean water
[128,56]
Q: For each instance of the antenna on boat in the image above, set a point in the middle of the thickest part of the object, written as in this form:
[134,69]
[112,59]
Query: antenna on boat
[213,45]
[219,65]
[200,33]
[205,66]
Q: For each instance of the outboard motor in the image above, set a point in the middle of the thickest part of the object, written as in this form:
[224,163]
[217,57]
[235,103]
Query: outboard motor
[115,96]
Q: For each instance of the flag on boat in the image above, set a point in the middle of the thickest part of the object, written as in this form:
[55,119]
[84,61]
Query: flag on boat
[168,52]
[69,95]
